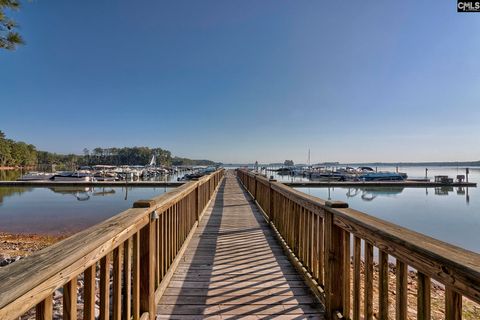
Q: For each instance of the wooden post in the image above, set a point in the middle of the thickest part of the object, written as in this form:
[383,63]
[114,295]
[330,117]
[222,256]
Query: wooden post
[423,297]
[401,298]
[334,262]
[271,204]
[89,294]
[197,202]
[368,285]
[383,285]
[147,270]
[105,287]
[453,304]
[70,300]
[44,310]
[117,283]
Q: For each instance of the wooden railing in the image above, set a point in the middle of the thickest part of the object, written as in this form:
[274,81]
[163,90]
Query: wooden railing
[320,235]
[134,255]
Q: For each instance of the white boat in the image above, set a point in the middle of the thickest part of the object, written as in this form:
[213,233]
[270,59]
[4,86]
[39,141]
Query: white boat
[36,176]
[73,176]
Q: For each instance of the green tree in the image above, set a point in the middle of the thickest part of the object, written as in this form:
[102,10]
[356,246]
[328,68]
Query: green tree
[5,154]
[9,37]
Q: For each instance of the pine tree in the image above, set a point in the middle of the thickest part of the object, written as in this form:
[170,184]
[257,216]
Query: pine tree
[9,37]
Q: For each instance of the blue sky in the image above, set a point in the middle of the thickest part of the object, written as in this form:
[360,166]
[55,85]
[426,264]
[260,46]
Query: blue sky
[239,81]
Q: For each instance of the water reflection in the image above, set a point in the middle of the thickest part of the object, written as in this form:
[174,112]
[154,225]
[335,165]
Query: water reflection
[451,214]
[12,191]
[84,193]
[371,193]
[63,209]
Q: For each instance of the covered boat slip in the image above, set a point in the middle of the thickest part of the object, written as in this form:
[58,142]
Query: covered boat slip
[234,268]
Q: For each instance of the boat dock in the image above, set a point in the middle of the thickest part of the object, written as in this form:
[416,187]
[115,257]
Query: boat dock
[48,183]
[235,245]
[405,184]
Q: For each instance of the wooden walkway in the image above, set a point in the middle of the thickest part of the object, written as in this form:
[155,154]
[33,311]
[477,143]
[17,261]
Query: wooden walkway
[234,268]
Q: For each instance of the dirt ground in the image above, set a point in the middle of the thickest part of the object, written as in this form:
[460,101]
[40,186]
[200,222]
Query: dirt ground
[23,245]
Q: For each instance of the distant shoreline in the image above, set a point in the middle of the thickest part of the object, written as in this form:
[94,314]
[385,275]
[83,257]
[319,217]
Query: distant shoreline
[16,168]
[373,164]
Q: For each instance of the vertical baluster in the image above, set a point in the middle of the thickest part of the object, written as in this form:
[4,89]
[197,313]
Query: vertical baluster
[333,266]
[165,241]
[401,299]
[136,276]
[105,288]
[383,285]
[423,297]
[89,294]
[453,304]
[321,251]
[167,236]
[177,225]
[368,286]
[301,234]
[309,240]
[44,310]
[147,265]
[70,300]
[176,209]
[127,277]
[357,256]
[170,235]
[315,247]
[117,283]
[304,236]
[161,252]
[158,275]
[346,272]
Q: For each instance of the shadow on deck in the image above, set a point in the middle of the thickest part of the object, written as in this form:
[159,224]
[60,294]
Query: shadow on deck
[234,268]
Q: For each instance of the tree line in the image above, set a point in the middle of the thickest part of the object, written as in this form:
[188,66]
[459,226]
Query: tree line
[16,153]
[21,154]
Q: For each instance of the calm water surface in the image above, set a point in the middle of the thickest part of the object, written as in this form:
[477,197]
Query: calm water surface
[60,210]
[450,214]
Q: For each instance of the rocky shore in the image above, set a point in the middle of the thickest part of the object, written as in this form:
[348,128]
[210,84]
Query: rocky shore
[15,246]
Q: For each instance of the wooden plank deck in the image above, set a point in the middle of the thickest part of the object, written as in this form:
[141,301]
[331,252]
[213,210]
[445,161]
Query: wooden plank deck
[234,268]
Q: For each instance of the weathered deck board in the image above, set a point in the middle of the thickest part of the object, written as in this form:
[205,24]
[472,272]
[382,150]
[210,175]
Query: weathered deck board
[234,268]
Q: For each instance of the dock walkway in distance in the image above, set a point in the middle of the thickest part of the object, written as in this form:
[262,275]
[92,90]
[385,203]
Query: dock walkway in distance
[234,268]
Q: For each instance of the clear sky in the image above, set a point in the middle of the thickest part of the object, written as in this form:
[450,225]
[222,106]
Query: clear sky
[247,80]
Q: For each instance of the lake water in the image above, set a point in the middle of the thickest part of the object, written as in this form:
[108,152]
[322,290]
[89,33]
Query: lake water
[449,214]
[65,210]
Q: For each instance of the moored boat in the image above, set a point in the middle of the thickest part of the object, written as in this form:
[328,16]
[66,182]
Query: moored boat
[78,176]
[382,176]
[36,176]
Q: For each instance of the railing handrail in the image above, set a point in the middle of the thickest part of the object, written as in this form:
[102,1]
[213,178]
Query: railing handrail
[451,265]
[29,280]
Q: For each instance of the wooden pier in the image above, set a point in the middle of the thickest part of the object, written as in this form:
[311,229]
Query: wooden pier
[238,246]
[234,267]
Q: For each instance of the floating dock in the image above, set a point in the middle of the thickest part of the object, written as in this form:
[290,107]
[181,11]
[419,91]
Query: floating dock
[48,183]
[406,184]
